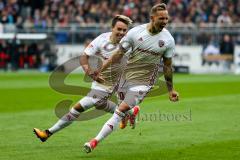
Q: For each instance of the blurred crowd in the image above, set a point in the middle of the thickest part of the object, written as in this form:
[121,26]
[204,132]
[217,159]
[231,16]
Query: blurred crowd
[48,13]
[44,14]
[15,55]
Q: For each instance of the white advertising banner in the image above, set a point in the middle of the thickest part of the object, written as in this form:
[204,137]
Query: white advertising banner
[66,52]
[189,56]
[237,60]
[186,56]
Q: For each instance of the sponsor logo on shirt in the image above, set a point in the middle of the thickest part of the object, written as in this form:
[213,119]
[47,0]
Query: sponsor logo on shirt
[161,43]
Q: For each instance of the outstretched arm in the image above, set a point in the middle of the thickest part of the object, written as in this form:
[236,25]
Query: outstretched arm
[168,75]
[115,58]
[85,65]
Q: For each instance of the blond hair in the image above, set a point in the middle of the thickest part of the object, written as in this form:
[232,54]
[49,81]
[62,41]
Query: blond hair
[158,7]
[121,18]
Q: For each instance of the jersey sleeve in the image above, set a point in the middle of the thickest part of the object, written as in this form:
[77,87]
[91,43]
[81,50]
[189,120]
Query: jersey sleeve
[94,47]
[126,43]
[170,49]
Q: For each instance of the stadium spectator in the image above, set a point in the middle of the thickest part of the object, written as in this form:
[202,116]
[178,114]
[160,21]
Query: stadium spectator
[48,57]
[21,60]
[226,45]
[227,48]
[33,56]
[14,55]
[4,57]
[211,49]
[224,18]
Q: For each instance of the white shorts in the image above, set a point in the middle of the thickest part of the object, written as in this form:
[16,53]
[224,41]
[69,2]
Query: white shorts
[132,94]
[99,99]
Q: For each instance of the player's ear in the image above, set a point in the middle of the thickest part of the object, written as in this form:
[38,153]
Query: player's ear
[113,27]
[152,18]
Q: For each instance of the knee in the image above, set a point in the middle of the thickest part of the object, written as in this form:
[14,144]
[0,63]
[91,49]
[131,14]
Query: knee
[78,107]
[123,107]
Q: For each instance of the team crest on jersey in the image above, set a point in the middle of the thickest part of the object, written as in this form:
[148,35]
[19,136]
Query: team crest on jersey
[109,47]
[161,43]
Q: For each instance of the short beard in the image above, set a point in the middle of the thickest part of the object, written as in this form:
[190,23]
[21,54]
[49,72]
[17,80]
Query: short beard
[154,30]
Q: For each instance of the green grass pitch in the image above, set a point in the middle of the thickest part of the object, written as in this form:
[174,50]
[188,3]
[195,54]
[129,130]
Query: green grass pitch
[204,124]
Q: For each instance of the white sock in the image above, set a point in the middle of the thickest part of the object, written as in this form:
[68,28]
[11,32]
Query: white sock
[110,125]
[65,121]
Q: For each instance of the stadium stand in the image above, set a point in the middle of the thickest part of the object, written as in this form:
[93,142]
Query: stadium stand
[48,13]
[75,21]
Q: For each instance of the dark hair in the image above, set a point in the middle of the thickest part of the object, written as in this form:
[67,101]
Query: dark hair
[158,7]
[121,18]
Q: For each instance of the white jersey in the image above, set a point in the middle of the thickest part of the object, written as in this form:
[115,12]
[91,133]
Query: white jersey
[103,48]
[145,52]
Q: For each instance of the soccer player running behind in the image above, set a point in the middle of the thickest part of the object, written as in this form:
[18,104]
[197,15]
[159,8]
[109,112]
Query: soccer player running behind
[145,45]
[104,85]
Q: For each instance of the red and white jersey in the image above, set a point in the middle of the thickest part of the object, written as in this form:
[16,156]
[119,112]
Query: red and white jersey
[103,48]
[145,52]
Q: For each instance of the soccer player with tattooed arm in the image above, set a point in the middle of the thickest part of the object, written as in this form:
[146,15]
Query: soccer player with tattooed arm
[145,46]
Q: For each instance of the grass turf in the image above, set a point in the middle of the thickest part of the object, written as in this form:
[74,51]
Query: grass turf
[204,124]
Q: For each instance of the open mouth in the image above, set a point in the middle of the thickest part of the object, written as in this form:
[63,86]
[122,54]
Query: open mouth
[120,36]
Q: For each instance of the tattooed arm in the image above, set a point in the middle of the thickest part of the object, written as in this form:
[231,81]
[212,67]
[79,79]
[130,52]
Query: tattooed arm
[168,75]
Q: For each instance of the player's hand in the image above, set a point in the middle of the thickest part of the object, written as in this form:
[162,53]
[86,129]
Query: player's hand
[96,76]
[173,96]
[100,78]
[93,74]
